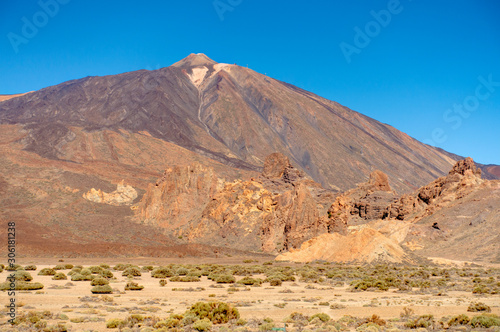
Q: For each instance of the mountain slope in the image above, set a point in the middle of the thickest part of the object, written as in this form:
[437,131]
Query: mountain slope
[229,114]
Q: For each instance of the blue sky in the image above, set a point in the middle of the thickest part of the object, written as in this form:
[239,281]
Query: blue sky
[428,68]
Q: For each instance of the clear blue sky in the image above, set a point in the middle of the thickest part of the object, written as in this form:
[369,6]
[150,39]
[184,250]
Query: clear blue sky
[410,72]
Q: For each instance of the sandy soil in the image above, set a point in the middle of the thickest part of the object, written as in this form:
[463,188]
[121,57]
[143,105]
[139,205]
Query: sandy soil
[71,298]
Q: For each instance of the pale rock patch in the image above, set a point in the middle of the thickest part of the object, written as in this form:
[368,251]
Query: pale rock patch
[123,195]
[198,75]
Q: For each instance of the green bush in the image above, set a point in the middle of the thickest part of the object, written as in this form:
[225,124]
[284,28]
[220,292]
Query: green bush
[105,289]
[21,285]
[162,273]
[375,319]
[21,275]
[60,267]
[163,282]
[99,282]
[96,269]
[106,274]
[168,323]
[30,267]
[59,276]
[184,279]
[250,281]
[459,320]
[81,277]
[322,317]
[12,267]
[241,322]
[68,266]
[225,279]
[425,321]
[195,274]
[267,326]
[47,272]
[202,325]
[275,282]
[115,323]
[120,267]
[86,272]
[134,319]
[485,320]
[367,283]
[478,306]
[216,312]
[481,289]
[133,286]
[131,272]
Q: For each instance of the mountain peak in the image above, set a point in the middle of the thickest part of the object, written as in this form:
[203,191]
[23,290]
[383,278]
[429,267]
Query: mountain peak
[195,60]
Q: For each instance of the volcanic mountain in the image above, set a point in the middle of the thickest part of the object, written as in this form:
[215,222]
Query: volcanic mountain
[60,142]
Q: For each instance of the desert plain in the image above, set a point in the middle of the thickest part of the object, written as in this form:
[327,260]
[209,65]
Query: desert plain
[317,296]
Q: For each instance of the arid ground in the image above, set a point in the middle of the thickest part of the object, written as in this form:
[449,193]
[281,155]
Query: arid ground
[444,291]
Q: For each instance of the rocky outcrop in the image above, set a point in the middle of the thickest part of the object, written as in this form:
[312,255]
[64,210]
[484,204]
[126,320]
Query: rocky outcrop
[123,195]
[466,166]
[274,212]
[284,212]
[294,220]
[368,201]
[374,199]
[364,245]
[463,179]
[178,196]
